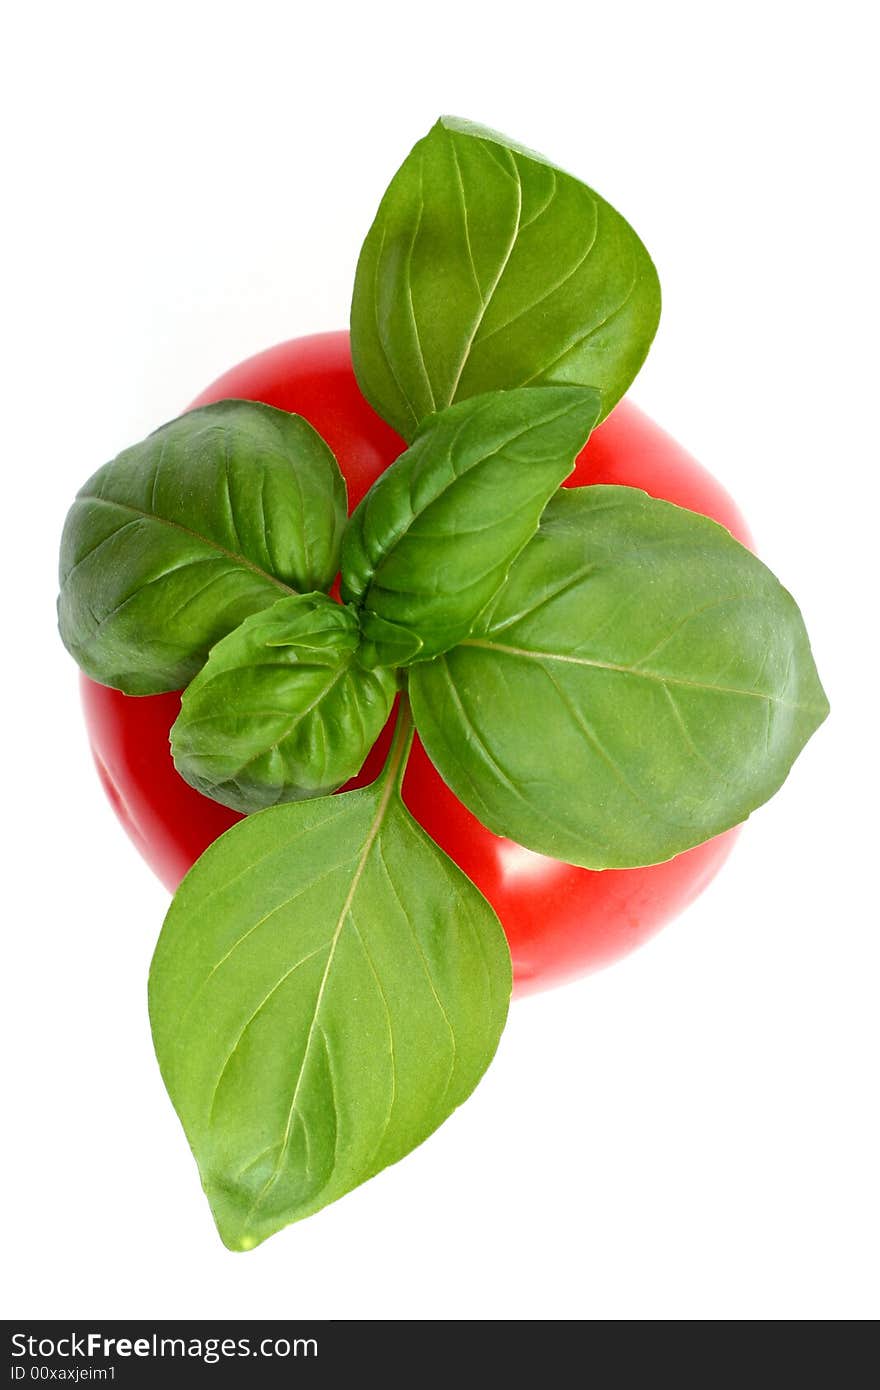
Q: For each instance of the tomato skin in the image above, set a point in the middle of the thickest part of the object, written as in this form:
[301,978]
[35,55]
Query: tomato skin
[313,377]
[560,920]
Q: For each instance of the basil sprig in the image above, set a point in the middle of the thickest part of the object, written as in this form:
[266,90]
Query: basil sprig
[602,677]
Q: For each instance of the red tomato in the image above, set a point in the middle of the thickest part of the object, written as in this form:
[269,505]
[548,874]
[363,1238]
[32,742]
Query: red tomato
[559,920]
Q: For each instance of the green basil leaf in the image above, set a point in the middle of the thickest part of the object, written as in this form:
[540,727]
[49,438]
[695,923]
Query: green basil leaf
[211,518]
[641,683]
[488,268]
[281,710]
[327,988]
[435,536]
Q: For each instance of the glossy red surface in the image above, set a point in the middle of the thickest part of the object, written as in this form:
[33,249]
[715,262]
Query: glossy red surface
[559,920]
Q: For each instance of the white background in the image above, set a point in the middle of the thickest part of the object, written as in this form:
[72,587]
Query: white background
[692,1133]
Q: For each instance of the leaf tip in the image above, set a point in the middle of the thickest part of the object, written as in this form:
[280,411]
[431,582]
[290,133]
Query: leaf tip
[239,1244]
